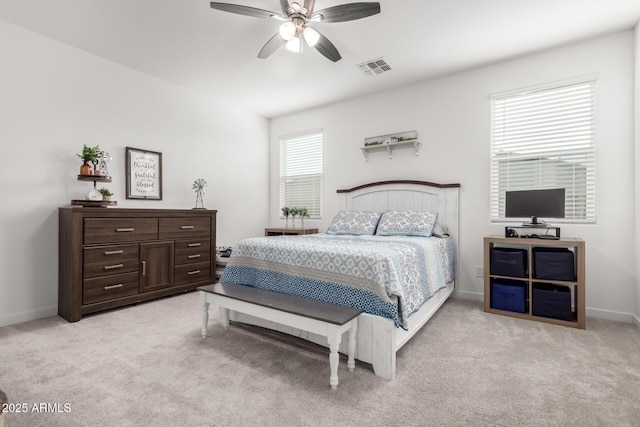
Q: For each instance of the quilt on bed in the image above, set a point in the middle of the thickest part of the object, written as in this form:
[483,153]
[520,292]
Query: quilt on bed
[388,276]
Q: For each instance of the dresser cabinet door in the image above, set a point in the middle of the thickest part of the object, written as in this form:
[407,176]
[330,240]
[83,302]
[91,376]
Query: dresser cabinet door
[156,265]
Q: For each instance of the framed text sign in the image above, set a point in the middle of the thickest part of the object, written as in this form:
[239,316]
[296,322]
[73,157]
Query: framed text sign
[144,174]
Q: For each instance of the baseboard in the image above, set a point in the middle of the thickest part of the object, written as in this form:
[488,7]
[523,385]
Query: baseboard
[610,315]
[28,316]
[475,296]
[636,322]
[590,312]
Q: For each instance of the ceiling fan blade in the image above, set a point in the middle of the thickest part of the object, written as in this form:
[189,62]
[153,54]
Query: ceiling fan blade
[244,10]
[284,5]
[271,46]
[309,5]
[347,12]
[327,48]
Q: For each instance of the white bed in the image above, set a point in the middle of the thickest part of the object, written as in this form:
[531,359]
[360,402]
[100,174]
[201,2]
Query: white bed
[379,338]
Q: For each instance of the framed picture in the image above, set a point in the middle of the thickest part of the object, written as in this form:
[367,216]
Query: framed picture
[144,174]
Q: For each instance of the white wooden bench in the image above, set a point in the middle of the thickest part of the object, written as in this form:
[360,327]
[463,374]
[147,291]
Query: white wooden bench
[322,318]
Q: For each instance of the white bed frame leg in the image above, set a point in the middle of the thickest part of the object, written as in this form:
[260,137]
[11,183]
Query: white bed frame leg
[384,354]
[334,339]
[224,317]
[205,315]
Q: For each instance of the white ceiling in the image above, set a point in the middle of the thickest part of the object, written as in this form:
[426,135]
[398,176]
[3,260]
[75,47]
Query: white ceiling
[215,53]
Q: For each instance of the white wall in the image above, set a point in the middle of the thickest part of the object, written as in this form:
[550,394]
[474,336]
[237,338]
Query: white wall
[637,169]
[55,98]
[452,117]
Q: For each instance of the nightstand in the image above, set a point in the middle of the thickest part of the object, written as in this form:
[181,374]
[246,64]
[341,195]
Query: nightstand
[280,231]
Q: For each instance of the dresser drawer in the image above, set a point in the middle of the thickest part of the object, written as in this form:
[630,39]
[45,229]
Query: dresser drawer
[175,228]
[189,251]
[108,230]
[192,273]
[109,287]
[108,260]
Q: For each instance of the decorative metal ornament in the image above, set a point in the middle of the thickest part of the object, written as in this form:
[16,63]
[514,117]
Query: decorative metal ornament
[102,163]
[200,187]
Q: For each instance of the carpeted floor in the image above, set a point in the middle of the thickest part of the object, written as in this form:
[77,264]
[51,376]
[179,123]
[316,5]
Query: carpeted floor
[146,365]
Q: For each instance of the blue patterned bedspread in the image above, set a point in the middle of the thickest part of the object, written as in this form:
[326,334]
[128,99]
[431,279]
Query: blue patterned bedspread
[388,276]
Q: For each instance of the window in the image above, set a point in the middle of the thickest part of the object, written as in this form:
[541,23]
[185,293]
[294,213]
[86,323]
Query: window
[544,138]
[301,172]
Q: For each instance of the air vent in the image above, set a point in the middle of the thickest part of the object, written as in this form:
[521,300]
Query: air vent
[375,66]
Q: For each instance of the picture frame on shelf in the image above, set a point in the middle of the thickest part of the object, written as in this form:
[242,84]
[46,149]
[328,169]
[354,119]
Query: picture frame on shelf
[143,174]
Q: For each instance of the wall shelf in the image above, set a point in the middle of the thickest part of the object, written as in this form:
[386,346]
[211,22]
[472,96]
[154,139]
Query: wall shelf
[94,178]
[390,147]
[389,142]
[94,203]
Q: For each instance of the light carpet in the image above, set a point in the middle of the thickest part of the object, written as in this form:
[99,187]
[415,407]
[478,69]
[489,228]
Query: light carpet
[146,365]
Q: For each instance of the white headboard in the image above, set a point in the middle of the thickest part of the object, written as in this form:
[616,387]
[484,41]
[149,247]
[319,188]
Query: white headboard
[405,195]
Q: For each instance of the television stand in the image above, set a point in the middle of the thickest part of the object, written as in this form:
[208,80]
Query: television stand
[540,229]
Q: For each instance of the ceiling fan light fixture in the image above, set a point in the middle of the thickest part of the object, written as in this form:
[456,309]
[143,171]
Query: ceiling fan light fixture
[296,14]
[287,30]
[311,36]
[294,45]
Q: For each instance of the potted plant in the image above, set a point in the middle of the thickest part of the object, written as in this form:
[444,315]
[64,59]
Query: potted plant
[89,155]
[304,213]
[106,194]
[293,212]
[286,212]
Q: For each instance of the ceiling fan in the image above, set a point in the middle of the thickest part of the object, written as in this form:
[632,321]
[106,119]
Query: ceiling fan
[296,15]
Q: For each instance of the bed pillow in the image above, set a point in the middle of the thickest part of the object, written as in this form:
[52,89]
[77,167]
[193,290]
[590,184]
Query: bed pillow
[406,223]
[439,230]
[354,222]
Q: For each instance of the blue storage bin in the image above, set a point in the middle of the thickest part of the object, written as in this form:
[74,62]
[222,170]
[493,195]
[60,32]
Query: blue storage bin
[509,295]
[509,262]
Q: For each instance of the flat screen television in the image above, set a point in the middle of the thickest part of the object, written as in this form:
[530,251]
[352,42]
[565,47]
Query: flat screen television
[535,204]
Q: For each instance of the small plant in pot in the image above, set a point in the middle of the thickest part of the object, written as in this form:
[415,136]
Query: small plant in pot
[106,194]
[286,211]
[304,213]
[89,155]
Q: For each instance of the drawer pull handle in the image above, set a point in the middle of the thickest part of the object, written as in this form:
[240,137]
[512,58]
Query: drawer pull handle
[193,272]
[144,268]
[114,252]
[186,227]
[193,245]
[193,256]
[119,285]
[111,267]
[123,230]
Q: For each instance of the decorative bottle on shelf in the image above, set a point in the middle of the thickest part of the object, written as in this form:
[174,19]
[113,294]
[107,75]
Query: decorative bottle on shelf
[86,168]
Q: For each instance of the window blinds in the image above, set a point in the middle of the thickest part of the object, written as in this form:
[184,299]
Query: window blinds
[542,139]
[301,172]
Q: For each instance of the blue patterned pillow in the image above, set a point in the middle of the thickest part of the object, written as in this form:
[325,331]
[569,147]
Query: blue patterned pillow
[354,222]
[407,223]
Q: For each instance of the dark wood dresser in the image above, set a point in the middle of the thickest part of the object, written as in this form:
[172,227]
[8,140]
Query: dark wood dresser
[110,257]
